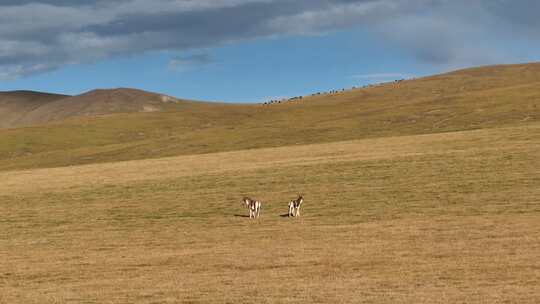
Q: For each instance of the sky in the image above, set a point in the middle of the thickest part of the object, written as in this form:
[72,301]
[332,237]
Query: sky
[254,50]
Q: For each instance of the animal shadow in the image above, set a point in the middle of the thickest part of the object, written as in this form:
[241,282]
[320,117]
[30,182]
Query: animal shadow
[241,215]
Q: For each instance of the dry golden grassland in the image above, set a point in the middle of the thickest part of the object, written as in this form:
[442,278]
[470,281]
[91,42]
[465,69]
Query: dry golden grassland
[442,218]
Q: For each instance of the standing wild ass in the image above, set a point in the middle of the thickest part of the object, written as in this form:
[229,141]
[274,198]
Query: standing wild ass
[254,206]
[294,206]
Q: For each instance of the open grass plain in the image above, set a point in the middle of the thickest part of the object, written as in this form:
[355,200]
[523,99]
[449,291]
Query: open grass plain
[444,218]
[425,191]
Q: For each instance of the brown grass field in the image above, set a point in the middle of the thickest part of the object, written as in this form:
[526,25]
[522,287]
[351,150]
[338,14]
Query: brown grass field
[452,217]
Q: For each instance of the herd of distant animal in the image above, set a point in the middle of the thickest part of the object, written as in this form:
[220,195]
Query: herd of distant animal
[283,100]
[254,206]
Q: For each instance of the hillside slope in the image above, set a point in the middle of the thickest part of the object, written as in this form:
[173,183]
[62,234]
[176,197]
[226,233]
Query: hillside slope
[479,98]
[15,105]
[40,108]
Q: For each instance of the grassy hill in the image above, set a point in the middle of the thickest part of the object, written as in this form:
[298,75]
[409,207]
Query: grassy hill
[15,105]
[20,108]
[484,97]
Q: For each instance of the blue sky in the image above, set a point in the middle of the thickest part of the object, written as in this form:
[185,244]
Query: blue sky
[253,50]
[247,71]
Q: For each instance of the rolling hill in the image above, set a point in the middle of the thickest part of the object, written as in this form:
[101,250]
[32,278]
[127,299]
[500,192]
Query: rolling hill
[15,105]
[477,98]
[22,108]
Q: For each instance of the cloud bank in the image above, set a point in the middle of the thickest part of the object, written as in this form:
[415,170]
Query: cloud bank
[42,35]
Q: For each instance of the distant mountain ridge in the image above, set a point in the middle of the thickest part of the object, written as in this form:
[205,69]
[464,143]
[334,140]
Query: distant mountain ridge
[28,108]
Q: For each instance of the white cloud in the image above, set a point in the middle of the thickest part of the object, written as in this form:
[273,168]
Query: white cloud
[185,63]
[382,76]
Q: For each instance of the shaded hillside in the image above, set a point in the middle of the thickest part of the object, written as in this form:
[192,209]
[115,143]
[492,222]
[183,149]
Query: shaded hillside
[15,105]
[29,109]
[486,97]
